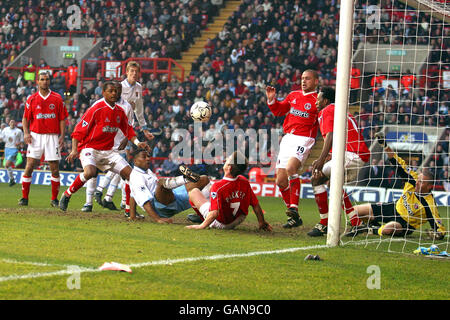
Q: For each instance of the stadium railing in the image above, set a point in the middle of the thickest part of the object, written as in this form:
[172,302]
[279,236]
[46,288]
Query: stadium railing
[116,69]
[70,33]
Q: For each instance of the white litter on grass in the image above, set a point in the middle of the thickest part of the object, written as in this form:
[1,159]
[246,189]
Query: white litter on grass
[115,266]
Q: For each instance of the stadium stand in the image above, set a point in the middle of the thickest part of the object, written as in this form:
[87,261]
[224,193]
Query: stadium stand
[262,43]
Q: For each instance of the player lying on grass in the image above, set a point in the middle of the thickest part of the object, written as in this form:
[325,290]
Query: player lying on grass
[415,207]
[356,154]
[161,198]
[93,140]
[229,199]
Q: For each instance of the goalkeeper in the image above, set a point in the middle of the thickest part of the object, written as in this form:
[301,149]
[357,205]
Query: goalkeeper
[415,207]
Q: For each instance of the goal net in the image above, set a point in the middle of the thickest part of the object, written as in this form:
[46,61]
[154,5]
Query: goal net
[400,86]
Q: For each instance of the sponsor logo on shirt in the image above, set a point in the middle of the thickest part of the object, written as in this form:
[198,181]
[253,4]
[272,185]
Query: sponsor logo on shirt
[45,116]
[299,113]
[110,129]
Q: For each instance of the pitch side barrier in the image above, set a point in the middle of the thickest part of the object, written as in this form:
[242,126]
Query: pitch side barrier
[356,193]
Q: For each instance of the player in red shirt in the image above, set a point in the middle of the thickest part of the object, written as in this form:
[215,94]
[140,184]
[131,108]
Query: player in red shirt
[356,154]
[93,140]
[44,128]
[300,129]
[229,199]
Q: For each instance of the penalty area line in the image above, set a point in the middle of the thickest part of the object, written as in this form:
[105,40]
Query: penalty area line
[69,271]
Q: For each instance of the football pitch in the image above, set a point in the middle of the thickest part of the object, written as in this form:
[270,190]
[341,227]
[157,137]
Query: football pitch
[48,254]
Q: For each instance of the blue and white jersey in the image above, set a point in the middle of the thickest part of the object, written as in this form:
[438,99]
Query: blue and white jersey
[142,185]
[11,137]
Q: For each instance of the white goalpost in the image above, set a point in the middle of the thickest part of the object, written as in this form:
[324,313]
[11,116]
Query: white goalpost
[402,51]
[340,120]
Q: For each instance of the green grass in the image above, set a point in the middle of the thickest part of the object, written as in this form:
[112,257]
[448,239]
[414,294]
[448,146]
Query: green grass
[40,234]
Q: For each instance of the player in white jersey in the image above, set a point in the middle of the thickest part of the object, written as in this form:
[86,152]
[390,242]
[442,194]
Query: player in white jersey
[112,179]
[132,92]
[161,198]
[13,138]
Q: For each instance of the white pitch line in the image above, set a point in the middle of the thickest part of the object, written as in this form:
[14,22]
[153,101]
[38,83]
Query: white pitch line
[39,264]
[166,262]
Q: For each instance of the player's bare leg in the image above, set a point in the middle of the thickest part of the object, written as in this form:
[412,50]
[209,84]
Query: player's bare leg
[26,180]
[198,195]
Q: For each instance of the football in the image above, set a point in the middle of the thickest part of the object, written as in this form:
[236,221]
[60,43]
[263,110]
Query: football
[201,111]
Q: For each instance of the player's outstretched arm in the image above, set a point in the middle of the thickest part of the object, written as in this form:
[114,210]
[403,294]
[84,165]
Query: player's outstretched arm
[263,224]
[212,215]
[278,108]
[382,142]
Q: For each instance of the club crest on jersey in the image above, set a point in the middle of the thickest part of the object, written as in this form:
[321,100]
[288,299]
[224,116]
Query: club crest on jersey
[416,206]
[307,106]
[213,195]
[52,106]
[84,124]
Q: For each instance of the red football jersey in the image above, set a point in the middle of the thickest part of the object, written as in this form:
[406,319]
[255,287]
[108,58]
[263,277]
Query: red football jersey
[45,113]
[355,140]
[99,126]
[231,197]
[301,113]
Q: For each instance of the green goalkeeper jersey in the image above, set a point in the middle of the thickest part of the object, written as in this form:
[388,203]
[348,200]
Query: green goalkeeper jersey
[413,208]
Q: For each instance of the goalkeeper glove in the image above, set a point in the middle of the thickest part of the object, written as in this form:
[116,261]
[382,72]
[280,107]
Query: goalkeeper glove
[435,235]
[381,139]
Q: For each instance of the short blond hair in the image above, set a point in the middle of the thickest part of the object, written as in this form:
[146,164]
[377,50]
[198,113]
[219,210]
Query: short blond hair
[133,64]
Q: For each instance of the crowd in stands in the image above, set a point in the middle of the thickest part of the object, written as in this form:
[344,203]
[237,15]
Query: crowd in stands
[263,43]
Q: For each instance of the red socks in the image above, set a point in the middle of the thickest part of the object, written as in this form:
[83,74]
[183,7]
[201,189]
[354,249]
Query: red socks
[79,181]
[127,197]
[321,197]
[55,187]
[26,182]
[286,194]
[294,186]
[349,211]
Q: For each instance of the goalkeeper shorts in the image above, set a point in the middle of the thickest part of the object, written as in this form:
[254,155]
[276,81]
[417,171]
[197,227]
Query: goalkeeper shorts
[386,212]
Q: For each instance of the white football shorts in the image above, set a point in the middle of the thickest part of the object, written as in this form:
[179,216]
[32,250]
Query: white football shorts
[293,146]
[47,144]
[352,162]
[204,211]
[105,160]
